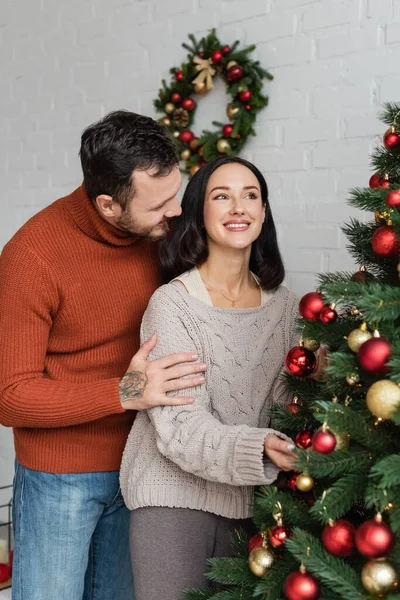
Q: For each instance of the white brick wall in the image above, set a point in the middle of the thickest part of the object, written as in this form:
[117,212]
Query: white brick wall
[66,63]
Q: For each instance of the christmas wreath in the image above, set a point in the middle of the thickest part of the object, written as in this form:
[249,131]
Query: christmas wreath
[243,76]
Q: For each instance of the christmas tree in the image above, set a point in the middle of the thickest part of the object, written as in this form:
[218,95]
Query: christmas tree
[330,529]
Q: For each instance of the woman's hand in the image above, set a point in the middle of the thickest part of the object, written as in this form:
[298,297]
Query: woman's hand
[322,363]
[280,452]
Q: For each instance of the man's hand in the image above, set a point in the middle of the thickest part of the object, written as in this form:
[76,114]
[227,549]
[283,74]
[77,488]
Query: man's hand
[146,382]
[279,452]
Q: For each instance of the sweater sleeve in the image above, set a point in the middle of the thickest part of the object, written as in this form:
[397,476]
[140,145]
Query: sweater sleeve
[190,435]
[28,302]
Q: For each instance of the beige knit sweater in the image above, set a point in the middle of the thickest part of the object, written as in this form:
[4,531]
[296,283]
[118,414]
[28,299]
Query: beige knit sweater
[209,455]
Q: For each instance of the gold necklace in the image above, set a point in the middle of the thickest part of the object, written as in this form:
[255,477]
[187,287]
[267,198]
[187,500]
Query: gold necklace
[233,302]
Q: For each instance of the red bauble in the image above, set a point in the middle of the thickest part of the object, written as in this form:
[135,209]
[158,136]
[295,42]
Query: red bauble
[278,535]
[391,140]
[226,50]
[374,354]
[338,538]
[385,242]
[248,107]
[227,131]
[374,539]
[328,315]
[176,98]
[179,75]
[393,199]
[300,362]
[293,408]
[216,56]
[303,439]
[5,572]
[311,305]
[189,104]
[245,96]
[323,442]
[292,481]
[377,181]
[302,586]
[186,136]
[235,73]
[256,541]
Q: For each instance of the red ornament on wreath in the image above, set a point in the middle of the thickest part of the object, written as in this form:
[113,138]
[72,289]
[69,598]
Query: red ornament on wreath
[374,354]
[186,136]
[245,96]
[278,535]
[178,75]
[377,181]
[375,539]
[391,139]
[311,305]
[227,130]
[385,242]
[393,199]
[328,315]
[302,586]
[338,538]
[226,50]
[176,98]
[235,73]
[217,56]
[303,439]
[189,104]
[323,442]
[256,541]
[300,362]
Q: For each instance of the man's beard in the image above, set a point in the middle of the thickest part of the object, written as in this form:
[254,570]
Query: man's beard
[128,224]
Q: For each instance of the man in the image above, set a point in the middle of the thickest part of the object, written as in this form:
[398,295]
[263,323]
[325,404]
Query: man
[74,283]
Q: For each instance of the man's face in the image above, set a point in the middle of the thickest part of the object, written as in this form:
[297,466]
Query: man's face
[153,204]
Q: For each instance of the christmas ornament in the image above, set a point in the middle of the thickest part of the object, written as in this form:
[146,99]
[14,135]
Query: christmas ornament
[278,535]
[391,139]
[200,88]
[358,337]
[393,199]
[302,586]
[181,117]
[226,50]
[353,378]
[323,442]
[235,72]
[185,155]
[176,98]
[205,71]
[223,146]
[342,440]
[291,482]
[227,131]
[231,64]
[256,541]
[383,217]
[385,242]
[194,169]
[186,136]
[378,181]
[179,76]
[374,354]
[169,108]
[261,560]
[328,315]
[217,56]
[383,398]
[374,538]
[165,121]
[194,143]
[248,107]
[303,439]
[231,111]
[362,276]
[300,361]
[338,538]
[245,96]
[294,406]
[310,344]
[304,482]
[379,577]
[311,305]
[189,104]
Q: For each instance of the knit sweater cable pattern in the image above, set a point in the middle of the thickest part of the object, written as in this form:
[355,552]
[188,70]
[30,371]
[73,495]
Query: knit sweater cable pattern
[209,455]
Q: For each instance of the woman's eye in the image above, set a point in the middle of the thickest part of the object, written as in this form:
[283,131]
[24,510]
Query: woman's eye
[220,197]
[252,196]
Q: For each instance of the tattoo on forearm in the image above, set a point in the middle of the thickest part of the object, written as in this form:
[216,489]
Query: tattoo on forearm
[132,386]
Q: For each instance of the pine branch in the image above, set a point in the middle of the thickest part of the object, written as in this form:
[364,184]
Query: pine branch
[339,498]
[368,199]
[332,465]
[271,585]
[334,572]
[199,594]
[384,162]
[240,543]
[390,114]
[387,471]
[268,498]
[230,571]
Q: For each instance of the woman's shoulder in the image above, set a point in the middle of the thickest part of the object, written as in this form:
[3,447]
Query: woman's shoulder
[173,292]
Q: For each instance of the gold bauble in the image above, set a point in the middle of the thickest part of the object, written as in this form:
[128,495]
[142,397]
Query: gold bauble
[231,64]
[379,577]
[231,111]
[166,121]
[383,217]
[223,146]
[194,169]
[185,155]
[201,151]
[383,398]
[311,344]
[353,378]
[261,560]
[176,134]
[358,337]
[169,108]
[200,88]
[342,440]
[304,482]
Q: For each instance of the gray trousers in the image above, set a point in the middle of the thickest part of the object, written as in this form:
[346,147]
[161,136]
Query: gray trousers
[170,547]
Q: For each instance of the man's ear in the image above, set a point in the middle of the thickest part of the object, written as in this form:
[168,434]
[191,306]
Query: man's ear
[107,207]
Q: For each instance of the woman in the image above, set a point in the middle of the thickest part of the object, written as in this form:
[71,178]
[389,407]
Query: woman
[188,472]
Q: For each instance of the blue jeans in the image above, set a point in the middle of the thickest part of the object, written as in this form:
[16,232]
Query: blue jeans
[71,537]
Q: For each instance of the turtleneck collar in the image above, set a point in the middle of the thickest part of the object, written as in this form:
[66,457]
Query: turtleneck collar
[85,215]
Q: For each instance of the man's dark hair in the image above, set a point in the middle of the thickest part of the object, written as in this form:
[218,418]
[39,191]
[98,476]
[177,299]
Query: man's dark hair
[115,146]
[186,245]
